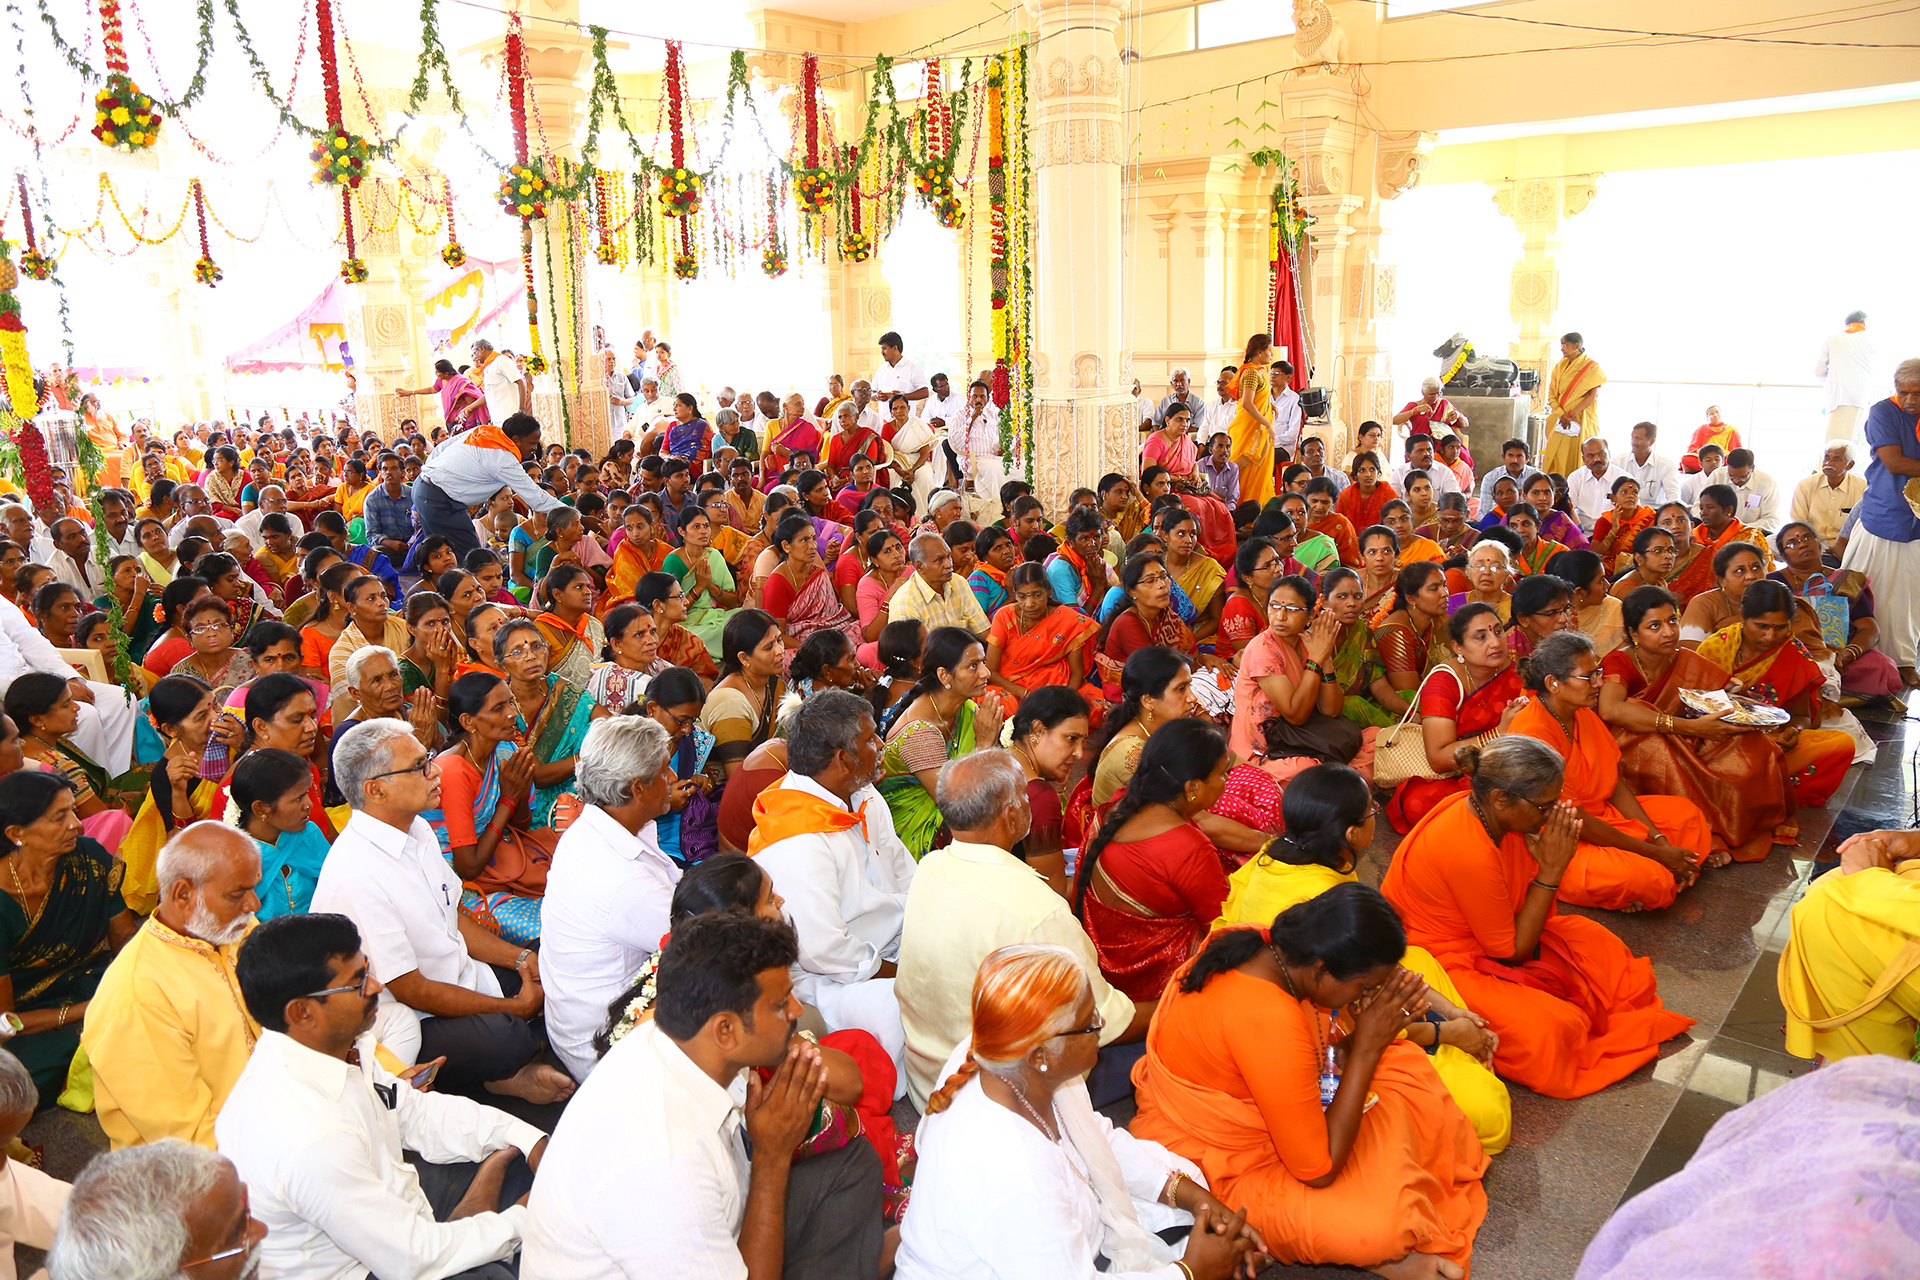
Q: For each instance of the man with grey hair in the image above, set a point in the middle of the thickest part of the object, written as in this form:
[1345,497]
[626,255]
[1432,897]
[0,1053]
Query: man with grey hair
[1823,500]
[1845,365]
[610,884]
[934,595]
[379,692]
[507,389]
[1182,392]
[444,978]
[273,500]
[972,898]
[157,1212]
[1886,545]
[163,1031]
[826,837]
[30,1201]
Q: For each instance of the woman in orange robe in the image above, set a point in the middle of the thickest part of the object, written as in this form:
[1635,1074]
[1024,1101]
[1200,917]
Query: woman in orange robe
[1322,518]
[1360,502]
[1636,852]
[1614,532]
[1368,1167]
[1574,1009]
[1034,642]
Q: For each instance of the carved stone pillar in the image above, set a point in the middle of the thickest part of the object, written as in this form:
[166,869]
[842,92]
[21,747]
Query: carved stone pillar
[1537,206]
[1083,412]
[1335,188]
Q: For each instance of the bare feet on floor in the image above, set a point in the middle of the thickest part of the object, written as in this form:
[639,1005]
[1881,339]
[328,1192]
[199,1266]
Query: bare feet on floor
[536,1082]
[1420,1266]
[1719,858]
[1911,677]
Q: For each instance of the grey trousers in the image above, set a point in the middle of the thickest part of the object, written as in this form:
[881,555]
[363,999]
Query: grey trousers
[446,1184]
[833,1215]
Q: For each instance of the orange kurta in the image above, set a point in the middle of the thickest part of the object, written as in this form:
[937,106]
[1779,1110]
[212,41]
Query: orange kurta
[1419,548]
[1231,1081]
[1613,879]
[1579,1014]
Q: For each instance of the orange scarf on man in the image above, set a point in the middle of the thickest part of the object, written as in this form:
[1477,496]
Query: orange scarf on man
[780,812]
[488,435]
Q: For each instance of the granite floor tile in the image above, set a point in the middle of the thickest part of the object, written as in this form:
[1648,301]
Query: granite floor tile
[1679,1138]
[1514,1245]
[1572,1157]
[1757,1017]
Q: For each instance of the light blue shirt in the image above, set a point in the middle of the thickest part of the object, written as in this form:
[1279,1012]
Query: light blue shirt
[1492,478]
[470,474]
[289,870]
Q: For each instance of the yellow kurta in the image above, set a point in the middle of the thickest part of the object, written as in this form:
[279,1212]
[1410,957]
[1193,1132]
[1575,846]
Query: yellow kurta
[1263,888]
[1846,931]
[1572,378]
[167,1034]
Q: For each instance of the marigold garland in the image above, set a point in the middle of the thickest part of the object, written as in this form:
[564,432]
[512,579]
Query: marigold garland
[679,185]
[204,269]
[453,253]
[340,157]
[123,117]
[523,189]
[856,246]
[679,192]
[33,264]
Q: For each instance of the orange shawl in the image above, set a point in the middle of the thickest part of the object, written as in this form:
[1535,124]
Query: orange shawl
[488,435]
[781,812]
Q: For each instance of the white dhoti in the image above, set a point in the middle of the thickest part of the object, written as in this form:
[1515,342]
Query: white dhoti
[105,730]
[986,473]
[1894,570]
[1849,422]
[867,1006]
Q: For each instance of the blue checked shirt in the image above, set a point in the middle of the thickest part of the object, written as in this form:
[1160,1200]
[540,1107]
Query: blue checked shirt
[389,517]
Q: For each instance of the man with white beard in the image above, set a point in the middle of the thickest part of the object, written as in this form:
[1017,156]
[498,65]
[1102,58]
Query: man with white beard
[166,1032]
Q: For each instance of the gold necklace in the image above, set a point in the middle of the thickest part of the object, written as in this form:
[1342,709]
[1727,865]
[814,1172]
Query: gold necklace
[33,917]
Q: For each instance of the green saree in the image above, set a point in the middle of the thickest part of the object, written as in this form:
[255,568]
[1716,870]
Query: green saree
[914,745]
[557,734]
[1355,664]
[59,957]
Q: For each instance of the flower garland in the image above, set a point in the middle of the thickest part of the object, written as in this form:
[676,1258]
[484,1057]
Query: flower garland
[640,1008]
[340,156]
[997,225]
[204,269]
[536,359]
[939,121]
[523,189]
[606,249]
[685,265]
[353,268]
[774,261]
[679,185]
[453,253]
[123,117]
[1016,424]
[33,264]
[812,185]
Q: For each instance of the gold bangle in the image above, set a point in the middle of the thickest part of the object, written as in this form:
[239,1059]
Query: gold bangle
[1185,1270]
[64,1010]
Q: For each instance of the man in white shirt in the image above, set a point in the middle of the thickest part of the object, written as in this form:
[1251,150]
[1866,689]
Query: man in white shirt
[973,897]
[106,714]
[1825,499]
[1514,465]
[318,1129]
[945,408]
[675,1162]
[30,1201]
[974,438]
[898,374]
[1218,418]
[867,413]
[1313,456]
[1846,366]
[610,887]
[1590,487]
[117,505]
[1287,415]
[1711,456]
[1759,494]
[195,510]
[1420,458]
[272,499]
[1658,477]
[1143,407]
[440,973]
[507,389]
[826,837]
[155,1212]
[72,560]
[1181,393]
[467,472]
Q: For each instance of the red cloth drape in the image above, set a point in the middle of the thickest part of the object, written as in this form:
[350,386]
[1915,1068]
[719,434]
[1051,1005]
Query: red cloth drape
[1288,330]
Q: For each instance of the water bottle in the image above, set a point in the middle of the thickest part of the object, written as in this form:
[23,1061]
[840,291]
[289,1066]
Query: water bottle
[1329,1079]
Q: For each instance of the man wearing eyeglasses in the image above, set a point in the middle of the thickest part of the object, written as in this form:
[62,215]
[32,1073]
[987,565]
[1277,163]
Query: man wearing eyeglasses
[141,1203]
[317,1126]
[165,1036]
[445,977]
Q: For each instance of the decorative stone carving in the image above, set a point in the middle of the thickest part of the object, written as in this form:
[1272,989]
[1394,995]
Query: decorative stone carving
[1080,141]
[1532,290]
[1385,286]
[1087,368]
[387,324]
[879,305]
[1317,38]
[1402,161]
[1321,172]
[1578,194]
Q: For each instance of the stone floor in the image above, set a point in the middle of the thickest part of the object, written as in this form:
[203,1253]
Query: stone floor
[1571,1162]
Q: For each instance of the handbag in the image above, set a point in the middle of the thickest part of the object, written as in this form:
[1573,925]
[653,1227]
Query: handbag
[1834,610]
[1400,753]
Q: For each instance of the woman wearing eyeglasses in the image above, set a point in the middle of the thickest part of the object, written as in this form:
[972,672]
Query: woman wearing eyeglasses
[1018,1175]
[1636,852]
[1357,1155]
[1150,883]
[551,715]
[689,831]
[1542,605]
[209,627]
[1148,618]
[1286,697]
[485,821]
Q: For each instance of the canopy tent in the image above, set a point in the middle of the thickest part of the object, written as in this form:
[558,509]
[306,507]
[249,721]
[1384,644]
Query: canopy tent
[313,339]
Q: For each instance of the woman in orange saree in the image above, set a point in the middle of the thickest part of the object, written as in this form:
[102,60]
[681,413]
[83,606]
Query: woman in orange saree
[1535,548]
[1721,525]
[1736,567]
[1376,1167]
[1150,883]
[1574,1009]
[1732,773]
[1654,553]
[1614,532]
[1769,665]
[1636,852]
[1414,547]
[1034,642]
[1471,698]
[1692,570]
[636,556]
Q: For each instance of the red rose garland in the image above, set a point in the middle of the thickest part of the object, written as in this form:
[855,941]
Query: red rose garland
[812,184]
[204,270]
[123,117]
[679,185]
[33,264]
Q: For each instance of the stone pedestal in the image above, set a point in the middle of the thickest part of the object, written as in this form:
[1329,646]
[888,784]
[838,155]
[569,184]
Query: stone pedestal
[1491,422]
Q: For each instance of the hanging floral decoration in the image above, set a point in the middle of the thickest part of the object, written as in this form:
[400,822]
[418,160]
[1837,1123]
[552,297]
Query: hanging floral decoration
[536,359]
[606,248]
[685,265]
[997,225]
[123,117]
[34,265]
[205,271]
[453,253]
[933,172]
[813,186]
[523,190]
[1013,267]
[353,268]
[773,261]
[340,156]
[679,185]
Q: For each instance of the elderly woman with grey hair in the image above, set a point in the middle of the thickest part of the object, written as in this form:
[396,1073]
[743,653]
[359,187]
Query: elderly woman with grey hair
[611,884]
[452,987]
[1477,883]
[155,1212]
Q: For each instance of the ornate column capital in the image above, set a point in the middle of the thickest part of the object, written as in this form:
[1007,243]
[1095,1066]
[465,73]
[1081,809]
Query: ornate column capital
[1402,161]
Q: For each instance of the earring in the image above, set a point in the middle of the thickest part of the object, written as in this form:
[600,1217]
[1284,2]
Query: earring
[1043,1067]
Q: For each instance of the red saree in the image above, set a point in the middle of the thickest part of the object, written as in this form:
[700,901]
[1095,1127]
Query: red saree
[1738,782]
[1474,714]
[1169,889]
[1819,758]
[1612,539]
[844,446]
[1598,876]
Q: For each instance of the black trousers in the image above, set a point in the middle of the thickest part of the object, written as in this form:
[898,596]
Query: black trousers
[833,1215]
[445,1185]
[480,1046]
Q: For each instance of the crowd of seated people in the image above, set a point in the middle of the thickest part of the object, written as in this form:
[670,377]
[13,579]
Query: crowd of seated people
[781,753]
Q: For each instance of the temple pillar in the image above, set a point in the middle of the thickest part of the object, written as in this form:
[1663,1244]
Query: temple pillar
[1371,284]
[1537,205]
[1084,423]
